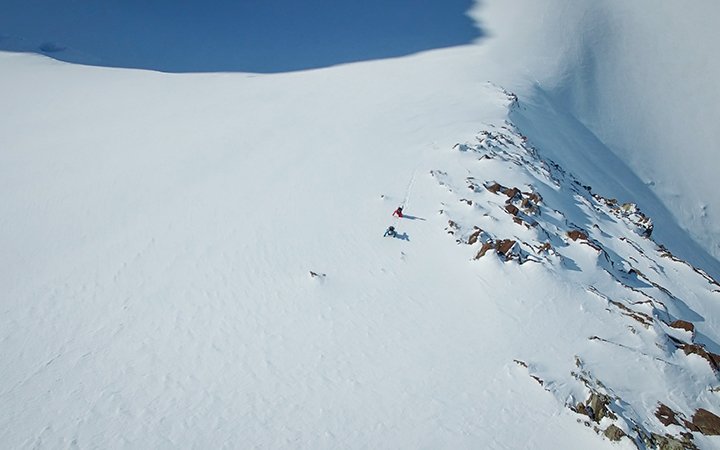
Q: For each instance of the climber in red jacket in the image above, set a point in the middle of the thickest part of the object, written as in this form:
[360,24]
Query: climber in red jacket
[398,212]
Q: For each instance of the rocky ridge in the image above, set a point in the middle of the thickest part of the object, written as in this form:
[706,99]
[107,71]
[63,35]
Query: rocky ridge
[504,200]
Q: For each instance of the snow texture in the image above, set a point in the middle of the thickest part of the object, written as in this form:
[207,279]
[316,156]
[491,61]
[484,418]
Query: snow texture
[198,260]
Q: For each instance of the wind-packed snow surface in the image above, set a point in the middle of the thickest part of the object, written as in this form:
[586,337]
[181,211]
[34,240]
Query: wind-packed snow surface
[198,261]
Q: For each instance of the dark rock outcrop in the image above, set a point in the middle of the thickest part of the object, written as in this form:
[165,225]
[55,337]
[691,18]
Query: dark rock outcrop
[682,324]
[577,234]
[665,415]
[504,247]
[473,238]
[614,433]
[707,422]
[511,193]
[699,350]
[668,442]
[484,249]
[599,404]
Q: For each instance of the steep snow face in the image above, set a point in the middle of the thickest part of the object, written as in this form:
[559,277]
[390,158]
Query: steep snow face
[642,76]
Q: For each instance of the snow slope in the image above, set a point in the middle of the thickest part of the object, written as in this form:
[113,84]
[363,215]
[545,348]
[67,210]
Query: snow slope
[160,257]
[158,233]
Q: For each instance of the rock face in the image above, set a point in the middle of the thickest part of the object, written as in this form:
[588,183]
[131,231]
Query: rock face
[502,248]
[666,415]
[512,193]
[681,324]
[473,238]
[707,422]
[668,442]
[599,404]
[614,433]
[699,350]
[494,188]
[452,227]
[486,246]
[577,234]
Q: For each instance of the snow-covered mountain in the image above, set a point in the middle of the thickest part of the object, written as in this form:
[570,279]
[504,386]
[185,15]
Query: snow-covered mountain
[198,260]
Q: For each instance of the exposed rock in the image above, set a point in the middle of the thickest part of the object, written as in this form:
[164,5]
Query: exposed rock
[630,212]
[647,232]
[707,422]
[511,193]
[504,247]
[668,442]
[486,246]
[633,297]
[643,318]
[580,409]
[682,324]
[513,102]
[699,350]
[687,437]
[613,433]
[595,246]
[452,227]
[533,196]
[665,415]
[690,426]
[599,404]
[577,234]
[608,201]
[473,238]
[529,202]
[526,223]
[665,253]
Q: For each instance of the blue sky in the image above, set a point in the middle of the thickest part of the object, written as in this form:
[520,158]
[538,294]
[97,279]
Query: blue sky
[225,35]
